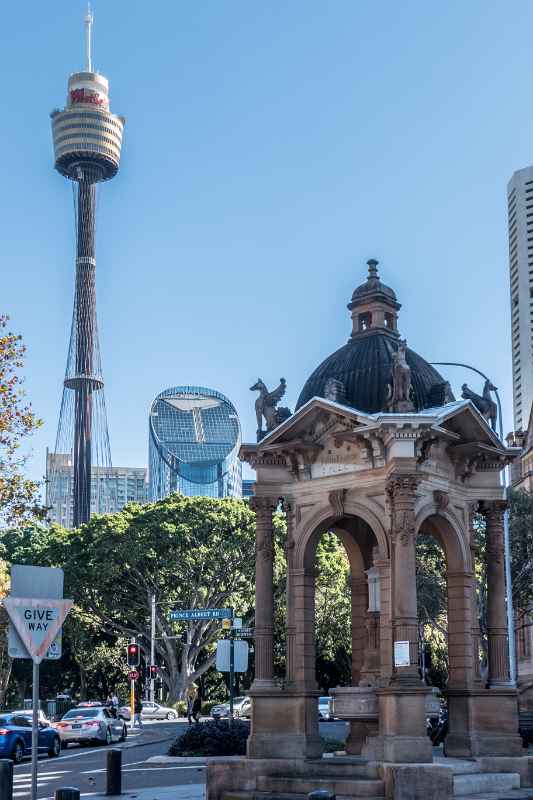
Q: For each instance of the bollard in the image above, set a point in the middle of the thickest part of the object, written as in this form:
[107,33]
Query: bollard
[67,793]
[114,772]
[321,794]
[6,779]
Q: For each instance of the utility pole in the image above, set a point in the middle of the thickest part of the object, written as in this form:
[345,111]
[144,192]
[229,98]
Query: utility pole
[152,652]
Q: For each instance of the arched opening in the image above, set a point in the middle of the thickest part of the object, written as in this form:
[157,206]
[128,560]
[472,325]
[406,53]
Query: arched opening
[339,564]
[365,321]
[444,593]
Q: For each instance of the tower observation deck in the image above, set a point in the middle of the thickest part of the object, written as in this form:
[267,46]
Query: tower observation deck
[87,144]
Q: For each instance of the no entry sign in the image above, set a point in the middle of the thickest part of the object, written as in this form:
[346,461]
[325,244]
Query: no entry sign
[37,621]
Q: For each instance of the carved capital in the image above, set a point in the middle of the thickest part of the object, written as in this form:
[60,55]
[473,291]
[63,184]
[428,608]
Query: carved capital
[336,501]
[264,507]
[401,490]
[402,487]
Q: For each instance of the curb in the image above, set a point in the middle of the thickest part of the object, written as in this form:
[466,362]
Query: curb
[199,760]
[129,745]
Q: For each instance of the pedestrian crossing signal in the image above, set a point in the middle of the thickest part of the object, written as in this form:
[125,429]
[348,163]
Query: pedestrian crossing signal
[134,654]
[153,671]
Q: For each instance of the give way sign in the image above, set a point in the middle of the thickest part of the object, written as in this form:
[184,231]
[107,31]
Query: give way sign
[37,621]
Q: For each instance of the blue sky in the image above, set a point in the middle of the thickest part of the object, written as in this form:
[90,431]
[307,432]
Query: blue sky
[270,150]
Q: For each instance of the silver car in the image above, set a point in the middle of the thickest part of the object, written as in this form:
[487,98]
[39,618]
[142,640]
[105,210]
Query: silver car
[96,724]
[150,711]
[242,707]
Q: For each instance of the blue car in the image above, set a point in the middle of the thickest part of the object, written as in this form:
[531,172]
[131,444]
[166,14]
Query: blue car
[15,738]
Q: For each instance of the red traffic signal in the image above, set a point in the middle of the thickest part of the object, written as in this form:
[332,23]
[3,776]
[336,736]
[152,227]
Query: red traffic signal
[134,655]
[153,671]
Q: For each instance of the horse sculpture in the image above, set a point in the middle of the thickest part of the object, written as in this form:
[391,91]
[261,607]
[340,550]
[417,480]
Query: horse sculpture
[265,406]
[484,404]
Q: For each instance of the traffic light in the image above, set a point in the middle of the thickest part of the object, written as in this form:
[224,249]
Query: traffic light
[134,654]
[153,671]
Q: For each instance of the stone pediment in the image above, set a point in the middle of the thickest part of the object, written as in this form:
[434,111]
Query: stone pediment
[325,438]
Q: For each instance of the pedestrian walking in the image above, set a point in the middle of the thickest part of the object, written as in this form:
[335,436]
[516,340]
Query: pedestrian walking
[109,704]
[197,707]
[192,694]
[137,712]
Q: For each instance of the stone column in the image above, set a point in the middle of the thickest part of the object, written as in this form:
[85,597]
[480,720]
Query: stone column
[303,592]
[476,636]
[496,606]
[401,490]
[460,651]
[359,611]
[290,512]
[264,592]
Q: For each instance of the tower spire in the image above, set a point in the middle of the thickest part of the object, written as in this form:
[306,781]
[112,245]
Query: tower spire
[88,33]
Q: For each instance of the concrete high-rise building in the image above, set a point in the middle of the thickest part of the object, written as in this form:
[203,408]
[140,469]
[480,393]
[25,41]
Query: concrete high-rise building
[87,145]
[520,216]
[111,488]
[194,443]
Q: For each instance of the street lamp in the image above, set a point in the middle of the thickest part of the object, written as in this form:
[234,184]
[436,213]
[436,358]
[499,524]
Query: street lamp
[506,545]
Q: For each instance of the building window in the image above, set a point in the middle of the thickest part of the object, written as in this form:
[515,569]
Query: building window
[389,320]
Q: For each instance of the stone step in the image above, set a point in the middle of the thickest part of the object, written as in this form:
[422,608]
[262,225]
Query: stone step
[465,785]
[341,766]
[513,794]
[281,796]
[340,785]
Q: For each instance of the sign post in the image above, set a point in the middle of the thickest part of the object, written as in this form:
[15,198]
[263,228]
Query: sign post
[37,622]
[36,611]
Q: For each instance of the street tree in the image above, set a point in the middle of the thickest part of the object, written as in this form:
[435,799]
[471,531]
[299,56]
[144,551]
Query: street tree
[18,495]
[191,552]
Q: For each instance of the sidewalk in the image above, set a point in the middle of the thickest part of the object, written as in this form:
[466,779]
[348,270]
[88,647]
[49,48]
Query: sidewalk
[192,791]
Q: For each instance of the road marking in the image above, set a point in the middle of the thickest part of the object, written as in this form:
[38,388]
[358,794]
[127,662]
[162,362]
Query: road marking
[145,769]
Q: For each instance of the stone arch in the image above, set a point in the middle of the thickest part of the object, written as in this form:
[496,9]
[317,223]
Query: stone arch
[324,517]
[449,532]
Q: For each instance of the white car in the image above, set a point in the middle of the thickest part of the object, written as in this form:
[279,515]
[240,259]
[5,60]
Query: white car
[95,724]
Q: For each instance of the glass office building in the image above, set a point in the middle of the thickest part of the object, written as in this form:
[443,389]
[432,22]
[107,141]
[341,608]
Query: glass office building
[194,442]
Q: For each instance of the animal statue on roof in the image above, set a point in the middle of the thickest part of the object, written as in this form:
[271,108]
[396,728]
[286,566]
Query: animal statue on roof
[265,406]
[484,404]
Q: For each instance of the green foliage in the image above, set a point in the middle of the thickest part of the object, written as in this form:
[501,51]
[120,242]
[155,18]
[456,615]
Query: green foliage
[432,597]
[521,541]
[190,551]
[212,739]
[18,496]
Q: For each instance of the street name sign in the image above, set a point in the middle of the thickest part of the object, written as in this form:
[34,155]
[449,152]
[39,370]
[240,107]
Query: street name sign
[202,613]
[240,655]
[246,633]
[37,621]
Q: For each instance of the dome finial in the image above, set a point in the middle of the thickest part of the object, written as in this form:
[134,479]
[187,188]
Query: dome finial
[372,268]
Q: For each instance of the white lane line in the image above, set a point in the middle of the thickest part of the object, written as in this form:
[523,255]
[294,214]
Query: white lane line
[145,769]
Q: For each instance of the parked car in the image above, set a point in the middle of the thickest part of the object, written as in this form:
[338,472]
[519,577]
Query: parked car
[242,707]
[28,713]
[15,738]
[324,709]
[150,711]
[94,724]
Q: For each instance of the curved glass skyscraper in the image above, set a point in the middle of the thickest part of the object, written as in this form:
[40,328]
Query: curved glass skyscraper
[194,442]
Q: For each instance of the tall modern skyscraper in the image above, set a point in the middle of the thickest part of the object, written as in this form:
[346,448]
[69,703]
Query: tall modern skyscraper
[520,213]
[87,144]
[194,443]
